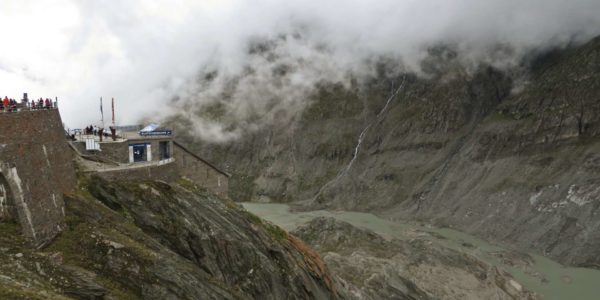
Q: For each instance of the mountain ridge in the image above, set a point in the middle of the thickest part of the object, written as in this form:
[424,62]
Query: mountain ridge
[505,155]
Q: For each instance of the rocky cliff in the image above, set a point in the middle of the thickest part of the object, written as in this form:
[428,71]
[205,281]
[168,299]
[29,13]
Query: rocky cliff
[510,155]
[153,240]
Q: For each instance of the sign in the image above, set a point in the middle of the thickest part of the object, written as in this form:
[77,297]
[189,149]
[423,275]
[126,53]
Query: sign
[153,133]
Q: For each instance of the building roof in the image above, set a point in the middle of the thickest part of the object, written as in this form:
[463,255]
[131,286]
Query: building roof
[178,144]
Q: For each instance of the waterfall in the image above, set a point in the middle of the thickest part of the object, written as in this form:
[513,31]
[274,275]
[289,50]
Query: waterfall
[361,137]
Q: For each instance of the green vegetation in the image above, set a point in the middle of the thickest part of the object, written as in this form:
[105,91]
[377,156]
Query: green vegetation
[275,231]
[242,187]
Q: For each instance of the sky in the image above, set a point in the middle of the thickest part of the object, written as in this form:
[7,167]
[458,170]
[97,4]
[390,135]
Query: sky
[145,53]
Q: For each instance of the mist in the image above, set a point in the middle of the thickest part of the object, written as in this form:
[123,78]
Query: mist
[229,67]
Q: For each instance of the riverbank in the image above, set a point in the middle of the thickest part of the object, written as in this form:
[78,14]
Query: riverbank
[537,273]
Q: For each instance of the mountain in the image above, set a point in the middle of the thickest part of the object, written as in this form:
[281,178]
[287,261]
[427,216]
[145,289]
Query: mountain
[507,154]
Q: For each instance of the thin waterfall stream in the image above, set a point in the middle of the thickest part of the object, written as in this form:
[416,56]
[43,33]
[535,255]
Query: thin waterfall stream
[361,137]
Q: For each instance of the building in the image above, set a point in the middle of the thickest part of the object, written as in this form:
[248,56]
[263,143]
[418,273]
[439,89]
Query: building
[148,153]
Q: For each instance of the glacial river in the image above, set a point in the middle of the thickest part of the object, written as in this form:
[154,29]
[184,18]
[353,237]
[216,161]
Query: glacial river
[558,282]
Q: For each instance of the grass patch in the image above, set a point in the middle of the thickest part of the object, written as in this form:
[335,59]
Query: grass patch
[276,232]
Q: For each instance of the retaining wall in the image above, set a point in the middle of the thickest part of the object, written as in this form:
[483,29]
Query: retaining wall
[200,171]
[167,172]
[36,169]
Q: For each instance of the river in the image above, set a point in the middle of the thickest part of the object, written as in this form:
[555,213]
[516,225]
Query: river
[549,279]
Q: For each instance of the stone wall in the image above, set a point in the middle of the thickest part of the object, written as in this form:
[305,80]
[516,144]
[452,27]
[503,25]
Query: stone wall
[200,171]
[167,172]
[36,169]
[115,151]
[8,210]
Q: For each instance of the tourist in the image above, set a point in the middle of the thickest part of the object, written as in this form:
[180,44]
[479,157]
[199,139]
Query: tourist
[6,103]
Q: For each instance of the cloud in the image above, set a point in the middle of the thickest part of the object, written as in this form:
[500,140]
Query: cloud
[144,53]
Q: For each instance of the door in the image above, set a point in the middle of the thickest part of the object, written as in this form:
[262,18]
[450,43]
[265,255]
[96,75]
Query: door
[163,148]
[139,152]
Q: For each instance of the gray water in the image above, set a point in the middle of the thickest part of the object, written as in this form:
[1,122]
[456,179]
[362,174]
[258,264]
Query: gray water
[559,282]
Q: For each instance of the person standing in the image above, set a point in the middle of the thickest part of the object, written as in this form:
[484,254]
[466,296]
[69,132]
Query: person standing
[6,103]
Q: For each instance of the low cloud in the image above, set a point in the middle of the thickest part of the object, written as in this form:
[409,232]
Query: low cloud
[201,53]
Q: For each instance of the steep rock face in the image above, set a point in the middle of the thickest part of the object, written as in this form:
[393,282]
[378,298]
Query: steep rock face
[226,243]
[374,268]
[510,156]
[153,240]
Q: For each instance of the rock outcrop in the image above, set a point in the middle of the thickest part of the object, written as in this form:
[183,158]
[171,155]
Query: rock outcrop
[153,240]
[371,267]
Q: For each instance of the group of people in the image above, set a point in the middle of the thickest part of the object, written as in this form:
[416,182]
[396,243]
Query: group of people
[93,130]
[41,104]
[100,132]
[11,105]
[8,104]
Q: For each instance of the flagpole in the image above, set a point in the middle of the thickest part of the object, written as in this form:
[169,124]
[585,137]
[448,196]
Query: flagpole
[113,111]
[101,112]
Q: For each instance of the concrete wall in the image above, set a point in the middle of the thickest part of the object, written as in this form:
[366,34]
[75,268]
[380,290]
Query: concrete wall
[36,168]
[199,171]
